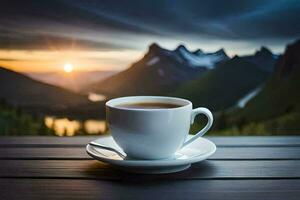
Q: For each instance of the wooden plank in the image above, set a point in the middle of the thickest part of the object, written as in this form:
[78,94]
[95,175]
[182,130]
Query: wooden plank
[262,153]
[256,141]
[80,141]
[91,169]
[43,153]
[190,189]
[40,141]
[242,153]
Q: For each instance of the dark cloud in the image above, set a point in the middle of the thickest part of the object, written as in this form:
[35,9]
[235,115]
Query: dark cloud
[224,20]
[49,42]
[50,11]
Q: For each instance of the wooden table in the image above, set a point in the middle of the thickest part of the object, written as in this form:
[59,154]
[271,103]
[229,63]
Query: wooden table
[59,168]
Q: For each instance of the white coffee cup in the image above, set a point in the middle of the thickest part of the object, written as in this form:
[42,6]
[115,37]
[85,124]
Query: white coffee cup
[145,133]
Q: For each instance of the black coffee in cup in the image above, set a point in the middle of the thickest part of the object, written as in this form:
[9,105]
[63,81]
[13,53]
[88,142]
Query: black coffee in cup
[148,105]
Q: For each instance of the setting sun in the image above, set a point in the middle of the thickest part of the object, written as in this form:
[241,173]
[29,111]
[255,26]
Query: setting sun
[68,67]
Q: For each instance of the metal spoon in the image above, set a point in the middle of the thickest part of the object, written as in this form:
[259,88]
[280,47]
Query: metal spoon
[122,155]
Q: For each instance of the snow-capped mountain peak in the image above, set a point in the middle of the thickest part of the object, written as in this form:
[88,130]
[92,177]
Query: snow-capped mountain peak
[185,57]
[181,47]
[221,52]
[155,50]
[201,59]
[198,52]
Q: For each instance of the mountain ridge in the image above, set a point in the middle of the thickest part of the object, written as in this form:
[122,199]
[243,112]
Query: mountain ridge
[73,81]
[264,58]
[158,72]
[23,91]
[280,94]
[220,88]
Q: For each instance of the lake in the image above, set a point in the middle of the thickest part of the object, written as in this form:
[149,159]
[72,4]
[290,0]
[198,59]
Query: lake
[68,127]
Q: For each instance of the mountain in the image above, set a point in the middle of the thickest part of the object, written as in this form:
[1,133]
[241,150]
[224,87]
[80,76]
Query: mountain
[280,95]
[159,72]
[200,59]
[22,91]
[221,87]
[73,81]
[264,59]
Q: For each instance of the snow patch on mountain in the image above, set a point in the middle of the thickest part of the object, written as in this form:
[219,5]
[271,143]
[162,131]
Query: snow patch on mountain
[201,59]
[153,61]
[245,99]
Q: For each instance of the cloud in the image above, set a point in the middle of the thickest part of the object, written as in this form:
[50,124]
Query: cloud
[23,41]
[112,24]
[215,18]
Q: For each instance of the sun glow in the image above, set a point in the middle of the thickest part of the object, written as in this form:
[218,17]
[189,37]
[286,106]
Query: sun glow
[68,67]
[54,61]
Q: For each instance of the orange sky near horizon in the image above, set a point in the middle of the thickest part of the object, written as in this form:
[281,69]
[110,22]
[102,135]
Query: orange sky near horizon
[54,61]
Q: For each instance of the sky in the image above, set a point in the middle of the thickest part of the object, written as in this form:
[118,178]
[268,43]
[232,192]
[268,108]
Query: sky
[41,36]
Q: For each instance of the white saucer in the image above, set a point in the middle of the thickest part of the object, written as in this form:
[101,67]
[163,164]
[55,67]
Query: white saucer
[197,151]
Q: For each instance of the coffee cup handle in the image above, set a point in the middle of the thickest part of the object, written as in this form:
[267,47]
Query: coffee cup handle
[209,116]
